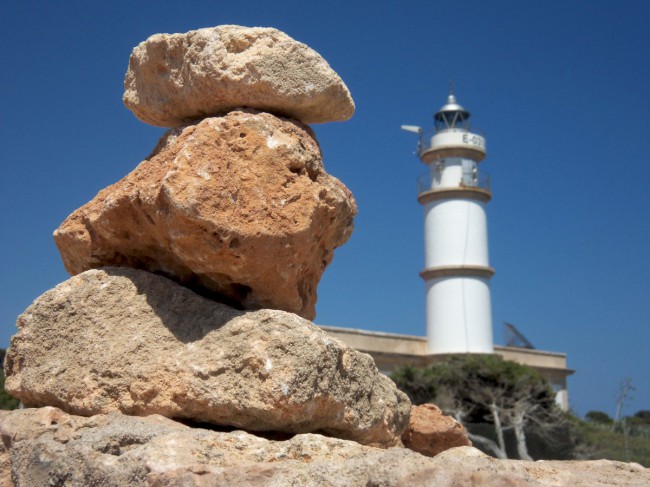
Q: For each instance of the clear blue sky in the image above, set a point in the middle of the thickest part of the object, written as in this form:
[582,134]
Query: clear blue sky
[559,88]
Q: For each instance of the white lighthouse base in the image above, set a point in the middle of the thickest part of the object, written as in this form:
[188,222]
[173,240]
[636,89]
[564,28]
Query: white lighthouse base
[459,315]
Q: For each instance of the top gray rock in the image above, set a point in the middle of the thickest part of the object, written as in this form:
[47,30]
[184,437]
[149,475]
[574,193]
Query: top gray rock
[174,79]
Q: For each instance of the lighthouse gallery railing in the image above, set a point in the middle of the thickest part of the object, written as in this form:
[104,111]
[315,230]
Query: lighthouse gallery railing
[430,181]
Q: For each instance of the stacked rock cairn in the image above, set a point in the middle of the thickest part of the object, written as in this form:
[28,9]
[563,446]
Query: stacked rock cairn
[194,276]
[180,352]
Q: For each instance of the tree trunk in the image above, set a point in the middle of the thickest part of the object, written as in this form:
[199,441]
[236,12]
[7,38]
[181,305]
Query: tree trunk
[520,434]
[498,428]
[491,445]
[498,452]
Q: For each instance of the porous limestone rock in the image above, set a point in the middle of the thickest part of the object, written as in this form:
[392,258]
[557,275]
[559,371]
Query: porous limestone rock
[238,207]
[431,432]
[468,467]
[48,447]
[174,79]
[121,339]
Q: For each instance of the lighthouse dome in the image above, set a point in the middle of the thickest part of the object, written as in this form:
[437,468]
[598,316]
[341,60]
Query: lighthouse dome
[451,115]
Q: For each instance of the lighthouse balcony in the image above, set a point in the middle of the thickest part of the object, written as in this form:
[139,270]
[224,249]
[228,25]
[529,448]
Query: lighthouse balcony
[434,185]
[451,142]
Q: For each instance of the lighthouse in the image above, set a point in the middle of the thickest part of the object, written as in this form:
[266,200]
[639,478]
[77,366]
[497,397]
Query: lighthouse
[454,194]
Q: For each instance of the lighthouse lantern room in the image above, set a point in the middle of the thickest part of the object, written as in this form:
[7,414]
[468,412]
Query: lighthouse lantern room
[457,272]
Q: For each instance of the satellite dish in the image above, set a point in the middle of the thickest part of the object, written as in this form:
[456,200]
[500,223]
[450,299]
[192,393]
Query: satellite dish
[514,338]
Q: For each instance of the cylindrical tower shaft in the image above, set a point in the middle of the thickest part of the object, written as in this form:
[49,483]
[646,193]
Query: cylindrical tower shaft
[457,270]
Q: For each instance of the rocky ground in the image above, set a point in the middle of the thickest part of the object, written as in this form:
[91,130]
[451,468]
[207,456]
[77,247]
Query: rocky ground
[49,447]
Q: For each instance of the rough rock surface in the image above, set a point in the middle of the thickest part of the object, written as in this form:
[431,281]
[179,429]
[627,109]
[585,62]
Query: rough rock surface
[236,206]
[174,79]
[127,340]
[48,447]
[431,432]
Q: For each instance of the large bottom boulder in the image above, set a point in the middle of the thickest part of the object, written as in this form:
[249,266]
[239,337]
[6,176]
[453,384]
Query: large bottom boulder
[49,447]
[126,340]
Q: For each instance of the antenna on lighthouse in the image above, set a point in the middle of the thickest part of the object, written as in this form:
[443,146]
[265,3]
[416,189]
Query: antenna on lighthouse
[416,130]
[412,128]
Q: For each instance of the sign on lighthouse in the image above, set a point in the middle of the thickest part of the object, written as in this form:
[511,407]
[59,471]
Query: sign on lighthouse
[457,272]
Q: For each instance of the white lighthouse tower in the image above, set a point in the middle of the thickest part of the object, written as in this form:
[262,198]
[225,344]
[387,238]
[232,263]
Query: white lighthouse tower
[457,272]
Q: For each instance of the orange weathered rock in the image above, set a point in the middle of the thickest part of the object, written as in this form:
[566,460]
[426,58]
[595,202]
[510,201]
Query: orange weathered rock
[430,431]
[237,207]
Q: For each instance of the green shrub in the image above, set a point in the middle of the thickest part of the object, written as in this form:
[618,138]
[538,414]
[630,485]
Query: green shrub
[598,417]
